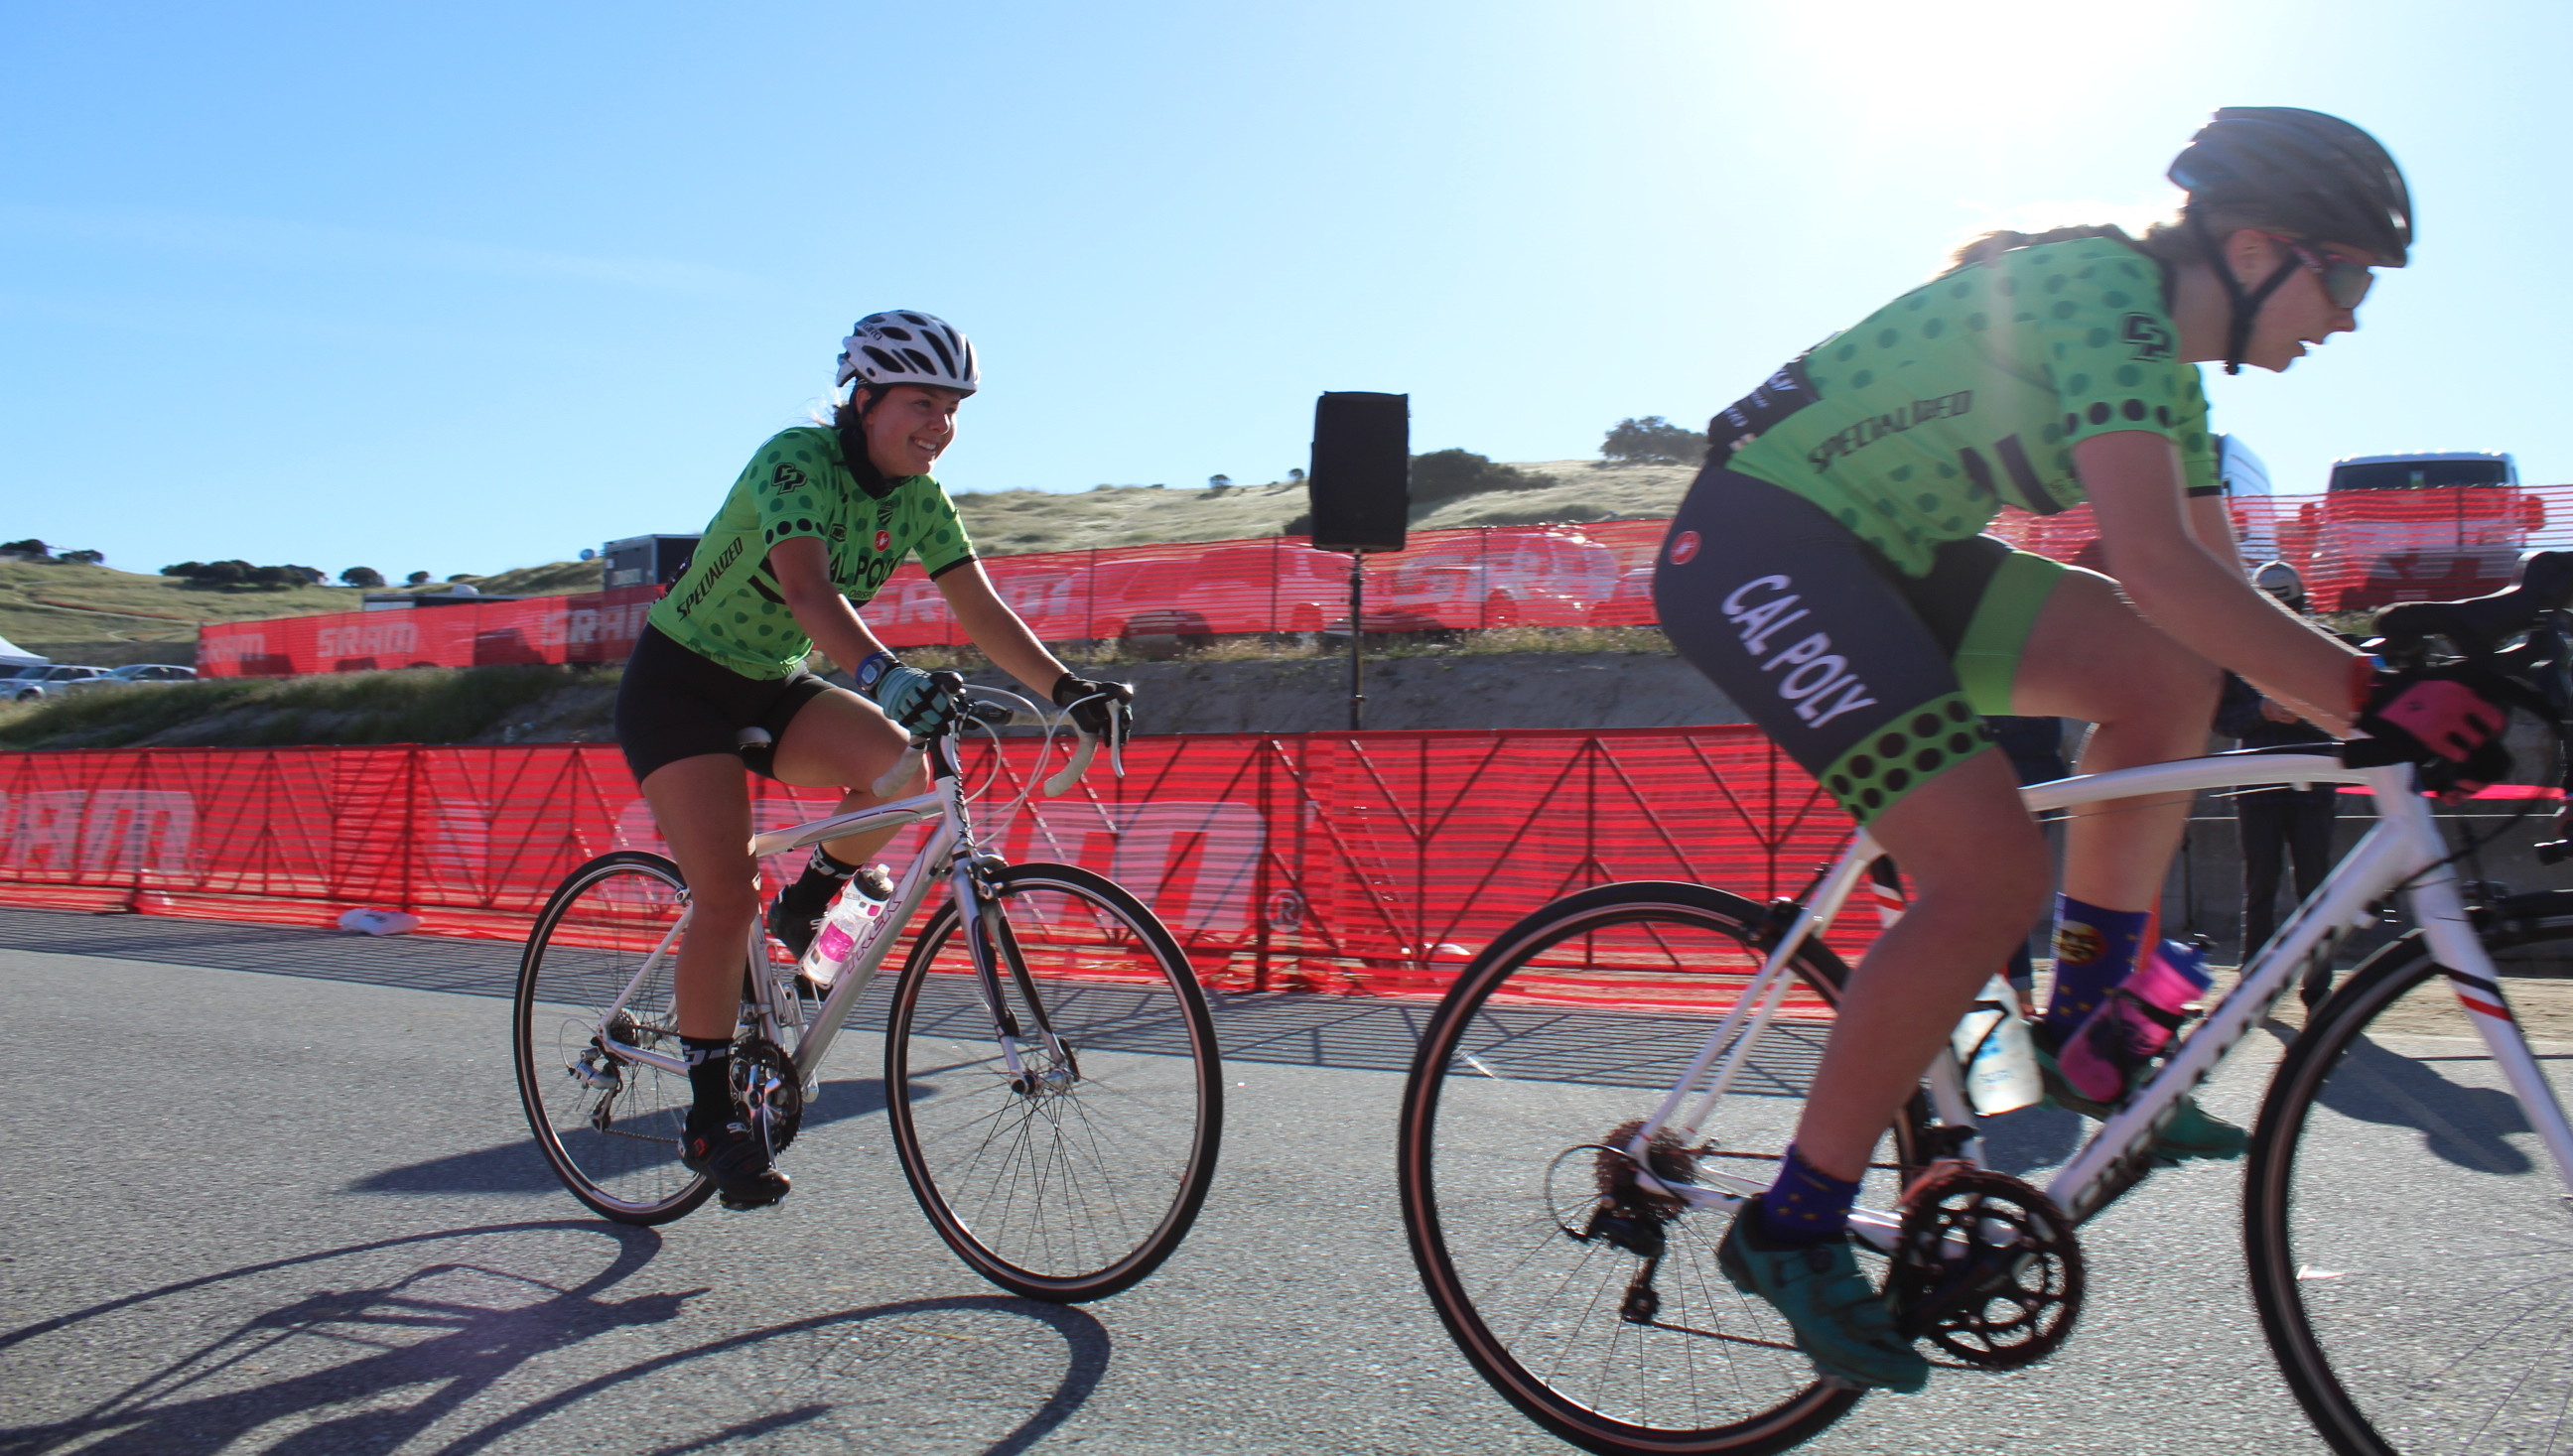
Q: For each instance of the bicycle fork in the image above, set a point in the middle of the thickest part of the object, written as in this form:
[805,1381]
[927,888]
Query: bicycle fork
[995,949]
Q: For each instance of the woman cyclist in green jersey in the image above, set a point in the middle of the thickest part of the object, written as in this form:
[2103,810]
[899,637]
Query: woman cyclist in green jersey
[811,529]
[1827,572]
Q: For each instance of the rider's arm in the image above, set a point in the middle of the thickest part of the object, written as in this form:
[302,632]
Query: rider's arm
[997,629]
[2154,550]
[803,568]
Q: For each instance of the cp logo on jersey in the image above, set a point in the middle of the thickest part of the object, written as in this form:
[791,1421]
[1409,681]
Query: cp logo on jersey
[884,540]
[1684,549]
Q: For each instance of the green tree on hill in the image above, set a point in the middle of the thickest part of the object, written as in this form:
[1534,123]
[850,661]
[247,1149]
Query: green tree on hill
[362,576]
[1653,441]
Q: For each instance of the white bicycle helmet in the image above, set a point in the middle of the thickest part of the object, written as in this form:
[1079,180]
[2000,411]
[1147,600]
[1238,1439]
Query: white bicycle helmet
[903,347]
[2280,581]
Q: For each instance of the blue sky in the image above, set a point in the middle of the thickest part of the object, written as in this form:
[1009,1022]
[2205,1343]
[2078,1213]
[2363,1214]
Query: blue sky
[469,286]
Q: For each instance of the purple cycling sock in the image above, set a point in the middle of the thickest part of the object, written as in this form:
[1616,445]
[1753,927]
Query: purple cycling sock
[1805,1205]
[2095,950]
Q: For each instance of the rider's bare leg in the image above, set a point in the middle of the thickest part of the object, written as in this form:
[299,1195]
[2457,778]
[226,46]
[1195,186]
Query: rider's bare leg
[703,807]
[841,739]
[1976,865]
[2092,656]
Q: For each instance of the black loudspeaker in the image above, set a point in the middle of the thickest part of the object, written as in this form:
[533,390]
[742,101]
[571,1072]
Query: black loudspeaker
[1361,483]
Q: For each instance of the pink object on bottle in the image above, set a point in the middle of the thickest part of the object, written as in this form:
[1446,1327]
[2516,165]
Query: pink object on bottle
[832,943]
[2134,1021]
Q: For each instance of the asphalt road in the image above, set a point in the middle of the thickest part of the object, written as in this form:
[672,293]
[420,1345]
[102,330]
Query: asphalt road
[269,1190]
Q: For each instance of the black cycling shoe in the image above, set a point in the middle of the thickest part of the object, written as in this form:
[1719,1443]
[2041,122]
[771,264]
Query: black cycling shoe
[795,916]
[732,1157]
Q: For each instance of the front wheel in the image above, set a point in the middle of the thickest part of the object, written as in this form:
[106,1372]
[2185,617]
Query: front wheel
[599,969]
[2410,1240]
[1077,1174]
[1592,1303]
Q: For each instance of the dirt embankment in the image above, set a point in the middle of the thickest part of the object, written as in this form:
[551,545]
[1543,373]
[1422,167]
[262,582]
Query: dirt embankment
[549,705]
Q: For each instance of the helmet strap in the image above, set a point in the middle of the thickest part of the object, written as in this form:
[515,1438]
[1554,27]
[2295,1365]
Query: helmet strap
[2245,303]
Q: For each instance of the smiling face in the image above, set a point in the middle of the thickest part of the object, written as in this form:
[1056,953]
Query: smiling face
[2298,314]
[911,426]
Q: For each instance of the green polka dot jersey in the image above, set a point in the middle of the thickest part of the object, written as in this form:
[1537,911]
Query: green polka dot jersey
[1969,392]
[726,606]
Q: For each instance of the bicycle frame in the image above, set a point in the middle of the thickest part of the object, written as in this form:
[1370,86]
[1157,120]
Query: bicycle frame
[2403,850]
[951,849]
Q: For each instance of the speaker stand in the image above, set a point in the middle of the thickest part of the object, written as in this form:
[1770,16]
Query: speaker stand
[1357,640]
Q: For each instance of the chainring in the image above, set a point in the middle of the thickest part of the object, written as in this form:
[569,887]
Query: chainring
[768,1090]
[1985,1267]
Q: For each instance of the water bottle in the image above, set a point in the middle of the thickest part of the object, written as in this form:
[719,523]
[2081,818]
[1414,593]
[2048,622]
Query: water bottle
[2133,1023]
[852,923]
[1999,1059]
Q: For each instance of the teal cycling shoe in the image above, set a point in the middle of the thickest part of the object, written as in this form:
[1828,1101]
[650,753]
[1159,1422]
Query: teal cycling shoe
[2192,1131]
[1841,1321]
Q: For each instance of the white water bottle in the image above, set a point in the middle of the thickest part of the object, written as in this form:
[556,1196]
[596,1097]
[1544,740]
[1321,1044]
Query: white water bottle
[1999,1059]
[852,923]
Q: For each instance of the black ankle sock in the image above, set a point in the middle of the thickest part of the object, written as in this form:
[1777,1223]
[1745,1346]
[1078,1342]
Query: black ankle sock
[710,1076]
[811,891]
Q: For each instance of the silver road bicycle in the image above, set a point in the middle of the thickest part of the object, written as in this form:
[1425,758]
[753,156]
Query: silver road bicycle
[1050,1068]
[1609,1080]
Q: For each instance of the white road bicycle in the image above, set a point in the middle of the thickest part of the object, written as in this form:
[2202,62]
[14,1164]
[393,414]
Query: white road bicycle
[1050,1068]
[1608,1080]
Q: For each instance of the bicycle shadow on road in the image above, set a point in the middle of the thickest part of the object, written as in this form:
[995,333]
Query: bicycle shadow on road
[457,1340]
[2459,1124]
[516,1167]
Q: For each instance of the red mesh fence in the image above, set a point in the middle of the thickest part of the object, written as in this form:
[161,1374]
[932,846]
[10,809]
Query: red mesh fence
[1374,862]
[2357,549]
[595,626]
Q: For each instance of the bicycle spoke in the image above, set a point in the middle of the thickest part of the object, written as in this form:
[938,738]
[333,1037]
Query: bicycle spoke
[1547,1055]
[1080,1177]
[2452,1329]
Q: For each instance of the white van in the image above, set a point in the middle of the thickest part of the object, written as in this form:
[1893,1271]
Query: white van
[2251,498]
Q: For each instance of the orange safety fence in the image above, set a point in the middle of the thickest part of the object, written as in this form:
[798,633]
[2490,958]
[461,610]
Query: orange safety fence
[1353,862]
[2356,551]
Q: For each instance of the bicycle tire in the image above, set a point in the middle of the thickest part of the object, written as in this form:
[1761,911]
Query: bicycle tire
[1558,1038]
[2401,1223]
[1076,1191]
[617,1146]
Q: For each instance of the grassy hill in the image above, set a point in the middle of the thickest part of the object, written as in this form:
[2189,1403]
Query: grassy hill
[1013,523]
[81,613]
[94,614]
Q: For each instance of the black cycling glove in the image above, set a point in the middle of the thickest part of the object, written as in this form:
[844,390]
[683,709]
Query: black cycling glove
[1105,715]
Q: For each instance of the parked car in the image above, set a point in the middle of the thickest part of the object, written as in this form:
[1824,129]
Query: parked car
[51,681]
[137,672]
[2420,527]
[1548,578]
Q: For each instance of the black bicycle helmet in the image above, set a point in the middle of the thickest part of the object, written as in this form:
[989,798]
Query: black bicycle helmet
[2301,171]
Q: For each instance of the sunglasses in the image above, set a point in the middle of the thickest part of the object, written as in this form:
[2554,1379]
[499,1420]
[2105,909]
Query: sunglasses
[2346,280]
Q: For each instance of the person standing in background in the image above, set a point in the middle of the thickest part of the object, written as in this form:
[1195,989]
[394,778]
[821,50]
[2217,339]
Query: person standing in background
[2284,823]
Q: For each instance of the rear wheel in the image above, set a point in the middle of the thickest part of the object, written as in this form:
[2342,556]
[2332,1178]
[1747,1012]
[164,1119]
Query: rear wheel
[2410,1240]
[1594,1307]
[590,977]
[1078,1175]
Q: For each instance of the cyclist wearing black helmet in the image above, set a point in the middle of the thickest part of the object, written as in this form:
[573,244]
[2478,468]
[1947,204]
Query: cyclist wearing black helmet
[811,529]
[1828,572]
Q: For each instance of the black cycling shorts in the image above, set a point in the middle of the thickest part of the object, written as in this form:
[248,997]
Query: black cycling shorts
[676,704]
[1874,681]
